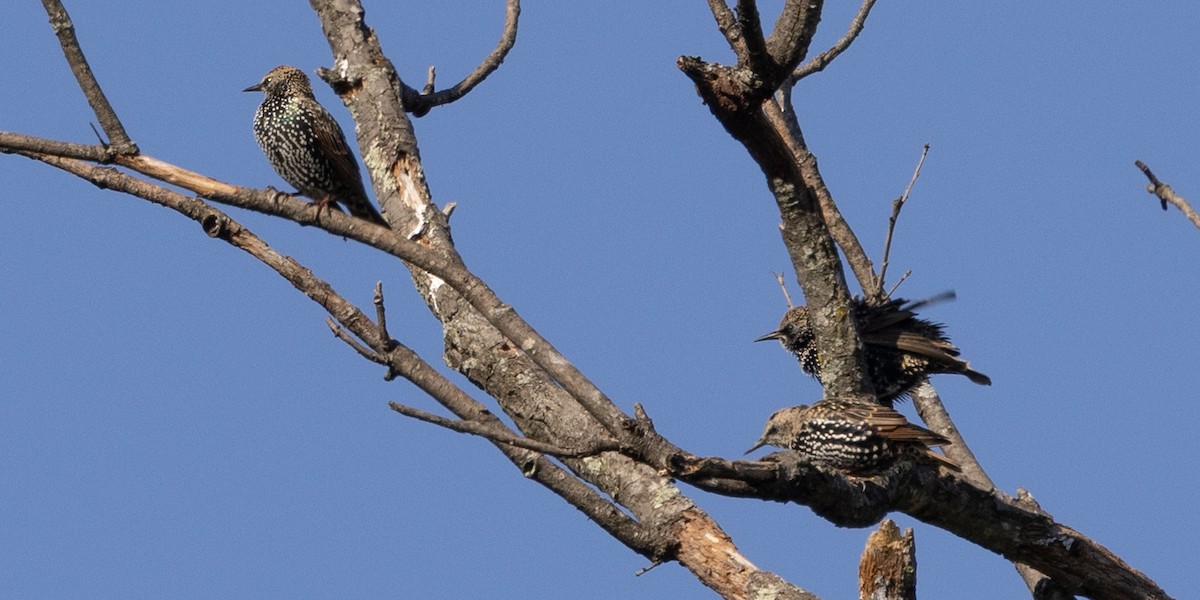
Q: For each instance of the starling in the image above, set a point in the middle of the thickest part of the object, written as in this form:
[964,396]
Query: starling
[856,437]
[901,349]
[306,146]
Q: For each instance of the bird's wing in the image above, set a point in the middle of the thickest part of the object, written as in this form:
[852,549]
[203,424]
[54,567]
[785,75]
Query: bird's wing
[894,426]
[939,350]
[879,318]
[332,141]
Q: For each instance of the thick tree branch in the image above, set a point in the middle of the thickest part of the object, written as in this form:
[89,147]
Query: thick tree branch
[791,37]
[757,59]
[783,119]
[929,406]
[814,257]
[730,105]
[367,82]
[65,30]
[984,516]
[381,117]
[492,345]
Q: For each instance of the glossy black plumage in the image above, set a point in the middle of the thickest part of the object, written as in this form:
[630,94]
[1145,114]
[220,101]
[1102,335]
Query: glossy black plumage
[901,349]
[854,437]
[306,146]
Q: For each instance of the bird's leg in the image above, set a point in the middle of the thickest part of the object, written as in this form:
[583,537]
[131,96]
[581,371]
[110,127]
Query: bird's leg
[325,202]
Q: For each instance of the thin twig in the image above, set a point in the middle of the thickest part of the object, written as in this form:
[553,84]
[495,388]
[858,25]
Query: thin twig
[381,318]
[822,60]
[430,78]
[1167,195]
[647,568]
[504,436]
[362,350]
[783,288]
[898,204]
[65,30]
[898,282]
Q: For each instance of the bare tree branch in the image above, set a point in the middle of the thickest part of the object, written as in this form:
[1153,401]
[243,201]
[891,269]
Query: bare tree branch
[899,281]
[897,205]
[503,436]
[558,410]
[65,30]
[929,406]
[15,142]
[420,104]
[448,267]
[749,23]
[526,375]
[397,173]
[791,37]
[385,338]
[783,288]
[783,119]
[357,346]
[822,60]
[984,516]
[733,105]
[218,225]
[805,235]
[1167,195]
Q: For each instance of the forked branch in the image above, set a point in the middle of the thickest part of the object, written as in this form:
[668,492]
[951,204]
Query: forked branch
[420,103]
[897,205]
[65,30]
[818,63]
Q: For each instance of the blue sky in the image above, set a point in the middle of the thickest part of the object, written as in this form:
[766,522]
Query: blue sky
[178,422]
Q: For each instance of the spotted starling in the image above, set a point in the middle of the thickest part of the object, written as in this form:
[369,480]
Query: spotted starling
[306,146]
[901,349]
[856,437]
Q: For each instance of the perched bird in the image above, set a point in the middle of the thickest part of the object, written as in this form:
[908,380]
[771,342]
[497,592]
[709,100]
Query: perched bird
[855,437]
[306,146]
[901,349]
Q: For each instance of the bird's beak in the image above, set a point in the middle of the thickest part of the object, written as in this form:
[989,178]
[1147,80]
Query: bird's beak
[254,88]
[774,335]
[759,444]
